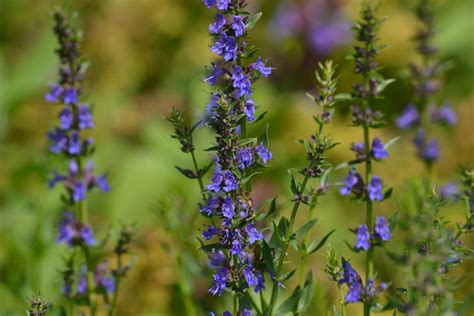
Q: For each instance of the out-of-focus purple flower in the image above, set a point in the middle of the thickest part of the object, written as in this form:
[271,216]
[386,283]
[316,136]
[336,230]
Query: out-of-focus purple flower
[73,232]
[409,117]
[246,312]
[238,26]
[324,27]
[449,191]
[326,37]
[378,149]
[263,152]
[359,149]
[444,114]
[250,110]
[349,183]
[363,238]
[54,94]
[74,144]
[241,82]
[71,96]
[102,278]
[216,27]
[85,117]
[428,150]
[217,258]
[381,229]
[66,118]
[374,189]
[259,66]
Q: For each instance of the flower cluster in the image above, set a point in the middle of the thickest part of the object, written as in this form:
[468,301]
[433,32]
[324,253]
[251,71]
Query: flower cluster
[68,140]
[368,187]
[228,196]
[357,291]
[38,307]
[321,24]
[425,79]
[365,240]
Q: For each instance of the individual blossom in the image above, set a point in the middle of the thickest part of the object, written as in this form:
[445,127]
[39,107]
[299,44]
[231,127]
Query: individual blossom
[381,229]
[241,82]
[349,183]
[444,114]
[244,158]
[409,117]
[359,149]
[374,189]
[238,26]
[264,153]
[250,110]
[228,207]
[259,65]
[449,191]
[216,27]
[363,238]
[378,149]
[428,150]
[253,233]
[74,233]
[212,78]
[220,281]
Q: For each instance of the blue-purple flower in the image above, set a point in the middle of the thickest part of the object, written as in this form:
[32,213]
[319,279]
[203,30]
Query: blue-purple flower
[409,117]
[74,233]
[264,153]
[363,238]
[241,82]
[374,189]
[238,26]
[349,183]
[216,27]
[378,149]
[381,229]
[444,114]
[259,66]
[249,110]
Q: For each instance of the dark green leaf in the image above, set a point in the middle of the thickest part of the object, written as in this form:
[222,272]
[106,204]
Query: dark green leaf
[305,228]
[315,247]
[252,21]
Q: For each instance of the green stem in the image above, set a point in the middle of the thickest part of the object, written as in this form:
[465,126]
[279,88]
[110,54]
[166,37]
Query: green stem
[369,263]
[253,303]
[118,279]
[285,248]
[90,282]
[236,305]
[199,177]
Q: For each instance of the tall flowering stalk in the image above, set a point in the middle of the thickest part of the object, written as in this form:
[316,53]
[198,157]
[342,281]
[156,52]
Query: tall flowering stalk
[235,248]
[366,187]
[424,111]
[86,279]
[318,169]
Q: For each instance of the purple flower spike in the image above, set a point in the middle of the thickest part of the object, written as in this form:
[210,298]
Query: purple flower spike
[71,96]
[374,189]
[363,238]
[85,117]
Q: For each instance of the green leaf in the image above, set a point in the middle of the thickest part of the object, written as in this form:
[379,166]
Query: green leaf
[343,97]
[307,294]
[263,138]
[291,303]
[268,258]
[272,208]
[286,276]
[283,228]
[388,193]
[384,84]
[247,141]
[391,142]
[252,21]
[305,228]
[315,247]
[294,186]
[247,179]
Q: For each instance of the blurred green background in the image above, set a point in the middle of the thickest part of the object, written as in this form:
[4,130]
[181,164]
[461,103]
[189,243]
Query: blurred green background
[149,55]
